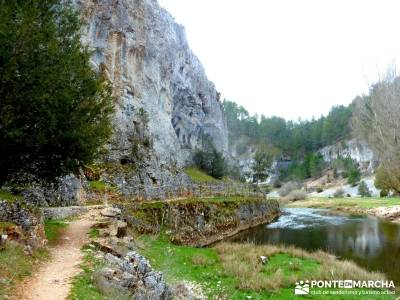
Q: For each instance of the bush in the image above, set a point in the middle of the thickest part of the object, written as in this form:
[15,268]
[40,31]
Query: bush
[288,187]
[297,195]
[363,190]
[384,193]
[212,162]
[339,193]
[320,189]
[354,176]
[55,110]
[277,184]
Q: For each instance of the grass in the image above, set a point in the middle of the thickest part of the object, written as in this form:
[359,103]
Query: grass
[89,285]
[94,233]
[233,271]
[352,204]
[8,196]
[83,285]
[199,176]
[15,264]
[53,230]
[214,199]
[100,186]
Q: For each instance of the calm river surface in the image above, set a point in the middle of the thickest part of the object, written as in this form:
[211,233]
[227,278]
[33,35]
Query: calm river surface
[373,244]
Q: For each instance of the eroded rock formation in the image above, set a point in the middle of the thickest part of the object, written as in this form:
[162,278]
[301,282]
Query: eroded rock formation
[165,103]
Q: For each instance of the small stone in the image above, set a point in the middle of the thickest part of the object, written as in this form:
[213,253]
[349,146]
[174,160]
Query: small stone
[110,212]
[150,281]
[128,280]
[114,259]
[108,273]
[121,229]
[263,259]
[144,266]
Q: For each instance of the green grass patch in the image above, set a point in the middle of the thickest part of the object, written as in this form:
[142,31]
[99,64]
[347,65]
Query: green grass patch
[8,196]
[94,233]
[53,230]
[207,200]
[341,203]
[233,271]
[83,285]
[200,176]
[15,264]
[5,225]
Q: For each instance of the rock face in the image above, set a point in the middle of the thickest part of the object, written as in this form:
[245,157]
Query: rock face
[134,274]
[357,150]
[25,224]
[165,103]
[64,191]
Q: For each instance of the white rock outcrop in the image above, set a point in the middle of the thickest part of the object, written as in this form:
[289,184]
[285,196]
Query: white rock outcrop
[357,150]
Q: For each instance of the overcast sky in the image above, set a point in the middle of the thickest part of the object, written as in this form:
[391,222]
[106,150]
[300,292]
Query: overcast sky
[291,58]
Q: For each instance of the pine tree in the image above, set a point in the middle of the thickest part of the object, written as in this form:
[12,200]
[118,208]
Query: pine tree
[54,109]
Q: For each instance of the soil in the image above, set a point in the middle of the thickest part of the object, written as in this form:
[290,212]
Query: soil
[52,281]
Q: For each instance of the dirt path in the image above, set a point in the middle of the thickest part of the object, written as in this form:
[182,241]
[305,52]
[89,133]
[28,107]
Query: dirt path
[53,279]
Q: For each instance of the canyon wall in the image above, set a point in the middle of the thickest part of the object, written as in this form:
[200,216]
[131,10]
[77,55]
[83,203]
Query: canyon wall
[164,102]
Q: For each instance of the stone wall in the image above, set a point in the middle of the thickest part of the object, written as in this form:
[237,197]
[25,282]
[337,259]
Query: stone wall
[24,225]
[201,222]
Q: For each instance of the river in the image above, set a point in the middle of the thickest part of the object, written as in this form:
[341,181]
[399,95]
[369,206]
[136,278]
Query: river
[370,242]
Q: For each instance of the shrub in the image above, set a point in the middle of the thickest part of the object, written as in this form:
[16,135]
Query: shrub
[320,189]
[363,190]
[262,162]
[211,161]
[339,193]
[55,110]
[383,180]
[354,176]
[288,187]
[297,195]
[384,193]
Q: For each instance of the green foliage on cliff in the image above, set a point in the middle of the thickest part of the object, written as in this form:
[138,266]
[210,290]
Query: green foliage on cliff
[262,162]
[54,109]
[363,190]
[298,140]
[292,138]
[211,161]
[199,176]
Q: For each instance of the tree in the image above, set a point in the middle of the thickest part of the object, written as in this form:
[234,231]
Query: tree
[211,161]
[353,177]
[54,109]
[363,190]
[376,119]
[218,167]
[262,162]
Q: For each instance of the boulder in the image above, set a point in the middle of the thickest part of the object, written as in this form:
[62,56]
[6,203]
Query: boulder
[111,212]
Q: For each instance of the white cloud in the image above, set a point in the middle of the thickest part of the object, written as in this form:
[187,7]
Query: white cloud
[291,58]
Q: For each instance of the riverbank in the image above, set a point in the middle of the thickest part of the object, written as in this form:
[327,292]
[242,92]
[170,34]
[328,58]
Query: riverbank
[235,271]
[386,208]
[199,222]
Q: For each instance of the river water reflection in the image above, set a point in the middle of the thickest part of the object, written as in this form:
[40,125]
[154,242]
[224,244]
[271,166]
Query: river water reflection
[372,243]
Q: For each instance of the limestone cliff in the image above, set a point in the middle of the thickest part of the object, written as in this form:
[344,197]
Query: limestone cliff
[165,103]
[359,151]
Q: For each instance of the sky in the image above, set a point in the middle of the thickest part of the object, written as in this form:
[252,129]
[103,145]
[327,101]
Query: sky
[291,58]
